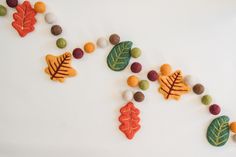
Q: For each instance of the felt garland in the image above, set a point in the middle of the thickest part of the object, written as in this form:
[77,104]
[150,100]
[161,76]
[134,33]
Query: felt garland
[172,85]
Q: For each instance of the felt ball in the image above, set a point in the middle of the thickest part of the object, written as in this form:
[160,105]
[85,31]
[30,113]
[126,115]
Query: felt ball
[61,43]
[133,81]
[89,47]
[136,67]
[190,80]
[234,137]
[78,53]
[214,109]
[12,3]
[102,42]
[50,18]
[139,96]
[56,30]
[136,52]
[198,89]
[143,84]
[152,75]
[127,95]
[114,39]
[39,7]
[233,127]
[165,69]
[206,99]
[3,10]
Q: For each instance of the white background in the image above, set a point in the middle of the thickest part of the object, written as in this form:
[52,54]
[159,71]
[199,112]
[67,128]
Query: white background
[39,117]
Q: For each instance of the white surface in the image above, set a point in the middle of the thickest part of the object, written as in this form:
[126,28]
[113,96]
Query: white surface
[39,117]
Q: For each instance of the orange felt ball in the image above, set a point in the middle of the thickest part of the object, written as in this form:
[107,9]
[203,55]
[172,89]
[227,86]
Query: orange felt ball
[89,47]
[233,127]
[165,69]
[39,7]
[133,81]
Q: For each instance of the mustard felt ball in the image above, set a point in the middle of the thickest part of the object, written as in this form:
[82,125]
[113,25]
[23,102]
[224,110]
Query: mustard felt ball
[132,81]
[40,7]
[165,69]
[233,127]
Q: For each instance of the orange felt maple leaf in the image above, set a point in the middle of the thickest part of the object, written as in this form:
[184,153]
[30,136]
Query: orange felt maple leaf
[173,86]
[24,19]
[129,120]
[59,67]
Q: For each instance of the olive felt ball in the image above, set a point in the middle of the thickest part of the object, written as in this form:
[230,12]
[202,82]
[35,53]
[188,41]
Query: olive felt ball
[61,43]
[143,84]
[3,10]
[136,52]
[206,99]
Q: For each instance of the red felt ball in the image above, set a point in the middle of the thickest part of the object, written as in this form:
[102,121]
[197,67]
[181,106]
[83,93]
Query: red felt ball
[152,75]
[136,67]
[214,109]
[78,53]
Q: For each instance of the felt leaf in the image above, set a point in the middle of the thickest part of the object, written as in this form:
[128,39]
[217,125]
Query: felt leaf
[59,67]
[129,119]
[218,131]
[173,86]
[119,57]
[24,19]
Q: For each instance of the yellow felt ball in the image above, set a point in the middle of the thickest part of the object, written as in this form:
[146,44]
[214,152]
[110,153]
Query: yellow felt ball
[233,127]
[165,69]
[39,7]
[133,81]
[89,47]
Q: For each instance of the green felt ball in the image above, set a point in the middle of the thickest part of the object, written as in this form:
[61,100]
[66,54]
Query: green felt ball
[3,10]
[61,43]
[143,84]
[136,52]
[206,99]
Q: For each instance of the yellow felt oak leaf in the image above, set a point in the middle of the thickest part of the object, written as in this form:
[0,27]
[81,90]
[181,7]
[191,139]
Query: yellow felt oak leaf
[173,86]
[59,67]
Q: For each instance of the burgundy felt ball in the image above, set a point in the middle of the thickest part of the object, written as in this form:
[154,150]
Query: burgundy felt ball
[214,109]
[12,3]
[136,67]
[152,75]
[78,53]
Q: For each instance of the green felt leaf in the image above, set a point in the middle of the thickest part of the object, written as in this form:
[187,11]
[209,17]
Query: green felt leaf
[218,131]
[119,57]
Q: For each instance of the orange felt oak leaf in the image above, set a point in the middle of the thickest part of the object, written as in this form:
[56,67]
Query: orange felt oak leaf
[24,19]
[173,86]
[129,120]
[59,67]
